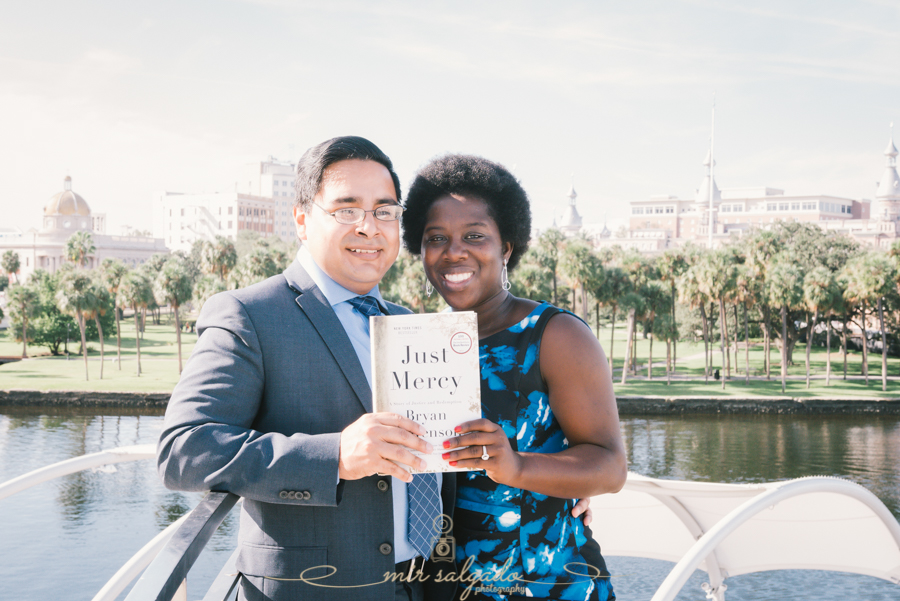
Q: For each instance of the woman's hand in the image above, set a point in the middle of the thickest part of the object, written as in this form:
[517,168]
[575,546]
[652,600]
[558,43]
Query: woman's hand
[480,437]
[583,506]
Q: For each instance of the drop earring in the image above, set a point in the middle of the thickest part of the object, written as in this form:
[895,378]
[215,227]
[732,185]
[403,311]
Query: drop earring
[504,277]
[428,287]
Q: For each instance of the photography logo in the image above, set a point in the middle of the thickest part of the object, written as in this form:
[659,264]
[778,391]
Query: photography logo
[445,548]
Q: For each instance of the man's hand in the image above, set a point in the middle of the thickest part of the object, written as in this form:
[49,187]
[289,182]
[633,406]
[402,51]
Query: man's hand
[583,506]
[371,444]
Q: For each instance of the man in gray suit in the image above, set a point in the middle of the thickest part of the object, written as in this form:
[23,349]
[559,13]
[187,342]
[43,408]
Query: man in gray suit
[275,405]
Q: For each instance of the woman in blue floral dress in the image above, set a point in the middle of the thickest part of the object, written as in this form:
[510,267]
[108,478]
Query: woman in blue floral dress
[549,431]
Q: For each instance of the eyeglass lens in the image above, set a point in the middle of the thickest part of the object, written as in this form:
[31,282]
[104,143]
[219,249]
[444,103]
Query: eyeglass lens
[355,214]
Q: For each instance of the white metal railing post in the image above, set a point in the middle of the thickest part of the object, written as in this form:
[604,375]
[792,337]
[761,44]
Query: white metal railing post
[728,524]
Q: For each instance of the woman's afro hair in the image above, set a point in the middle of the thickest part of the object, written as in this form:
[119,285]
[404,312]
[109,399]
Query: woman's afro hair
[473,176]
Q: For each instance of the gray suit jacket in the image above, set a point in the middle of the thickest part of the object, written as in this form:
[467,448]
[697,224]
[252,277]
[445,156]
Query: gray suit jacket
[258,412]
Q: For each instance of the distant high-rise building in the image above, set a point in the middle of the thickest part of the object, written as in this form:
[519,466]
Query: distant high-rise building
[261,202]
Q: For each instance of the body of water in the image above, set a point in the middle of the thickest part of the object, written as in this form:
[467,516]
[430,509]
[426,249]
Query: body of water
[65,538]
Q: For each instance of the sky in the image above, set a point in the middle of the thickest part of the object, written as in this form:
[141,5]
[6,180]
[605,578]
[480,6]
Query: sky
[133,98]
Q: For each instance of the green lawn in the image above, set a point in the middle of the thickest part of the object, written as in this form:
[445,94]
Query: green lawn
[160,368]
[159,363]
[688,379]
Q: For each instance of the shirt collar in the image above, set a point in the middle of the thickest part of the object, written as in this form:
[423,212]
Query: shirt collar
[334,292]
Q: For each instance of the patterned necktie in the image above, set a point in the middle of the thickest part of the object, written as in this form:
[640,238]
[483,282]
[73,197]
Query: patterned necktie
[423,498]
[366,305]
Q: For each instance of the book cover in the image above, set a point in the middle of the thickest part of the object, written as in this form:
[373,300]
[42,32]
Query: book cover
[425,368]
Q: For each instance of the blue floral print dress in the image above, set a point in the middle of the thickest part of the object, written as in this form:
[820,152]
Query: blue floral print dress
[522,543]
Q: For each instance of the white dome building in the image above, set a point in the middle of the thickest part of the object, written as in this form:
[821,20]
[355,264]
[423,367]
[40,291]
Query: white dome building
[67,210]
[64,214]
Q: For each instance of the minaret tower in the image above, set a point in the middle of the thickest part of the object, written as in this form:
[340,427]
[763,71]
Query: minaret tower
[703,193]
[571,220]
[887,197]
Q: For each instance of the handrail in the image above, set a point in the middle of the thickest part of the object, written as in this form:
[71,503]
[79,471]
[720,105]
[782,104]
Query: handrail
[165,574]
[76,464]
[134,566]
[191,532]
[225,582]
[706,544]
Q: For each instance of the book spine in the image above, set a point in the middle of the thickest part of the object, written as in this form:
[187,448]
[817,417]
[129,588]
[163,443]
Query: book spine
[377,330]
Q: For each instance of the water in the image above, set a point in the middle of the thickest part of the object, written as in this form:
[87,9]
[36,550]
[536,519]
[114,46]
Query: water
[64,539]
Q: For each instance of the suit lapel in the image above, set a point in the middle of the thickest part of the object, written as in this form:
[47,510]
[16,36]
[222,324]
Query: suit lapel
[322,317]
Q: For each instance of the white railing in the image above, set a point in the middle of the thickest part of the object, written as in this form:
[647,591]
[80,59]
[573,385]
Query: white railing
[139,562]
[76,464]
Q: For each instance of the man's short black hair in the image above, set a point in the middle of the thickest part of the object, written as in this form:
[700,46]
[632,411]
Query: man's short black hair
[317,159]
[474,176]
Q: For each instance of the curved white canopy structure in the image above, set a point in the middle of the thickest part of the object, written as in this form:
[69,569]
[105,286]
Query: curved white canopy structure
[818,523]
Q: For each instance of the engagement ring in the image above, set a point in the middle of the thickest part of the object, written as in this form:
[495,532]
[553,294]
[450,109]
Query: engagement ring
[484,455]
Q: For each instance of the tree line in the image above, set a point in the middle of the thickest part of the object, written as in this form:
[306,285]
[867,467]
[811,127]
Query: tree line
[74,300]
[784,284]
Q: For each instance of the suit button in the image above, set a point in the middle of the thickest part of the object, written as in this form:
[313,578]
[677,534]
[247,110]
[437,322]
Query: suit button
[385,549]
[306,495]
[291,494]
[283,494]
[383,486]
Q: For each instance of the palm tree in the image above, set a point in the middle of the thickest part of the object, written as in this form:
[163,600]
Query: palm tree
[692,294]
[718,274]
[836,308]
[784,289]
[579,264]
[846,312]
[634,303]
[136,292]
[75,297]
[11,264]
[664,328]
[858,291]
[173,287]
[206,287]
[819,291]
[880,275]
[596,273]
[656,302]
[255,266]
[547,252]
[761,249]
[111,273]
[672,264]
[746,292]
[218,257]
[79,246]
[615,285]
[22,301]
[102,300]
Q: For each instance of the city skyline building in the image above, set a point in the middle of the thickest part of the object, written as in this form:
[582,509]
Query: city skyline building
[666,221]
[262,202]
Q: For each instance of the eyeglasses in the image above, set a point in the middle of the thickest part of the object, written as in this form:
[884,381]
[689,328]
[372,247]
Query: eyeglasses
[351,215]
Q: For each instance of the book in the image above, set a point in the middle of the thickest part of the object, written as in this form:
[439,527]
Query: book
[425,367]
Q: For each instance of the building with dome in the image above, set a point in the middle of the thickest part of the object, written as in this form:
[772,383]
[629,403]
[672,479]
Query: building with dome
[64,214]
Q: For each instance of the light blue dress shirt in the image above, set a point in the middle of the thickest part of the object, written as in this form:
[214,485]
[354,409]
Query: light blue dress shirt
[357,327]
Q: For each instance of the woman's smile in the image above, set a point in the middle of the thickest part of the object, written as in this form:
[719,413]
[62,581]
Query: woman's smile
[458,278]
